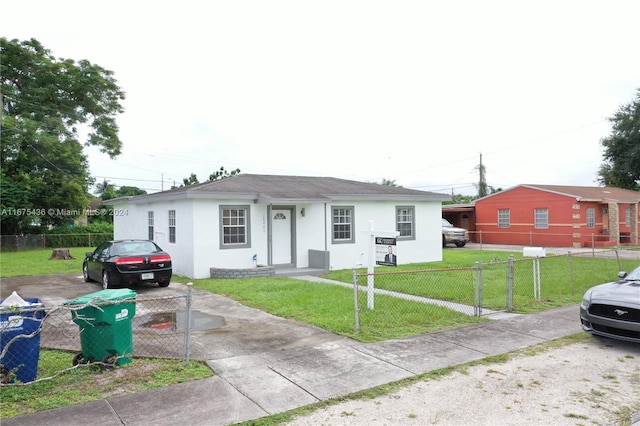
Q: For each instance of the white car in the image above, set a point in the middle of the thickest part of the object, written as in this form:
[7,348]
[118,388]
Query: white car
[451,234]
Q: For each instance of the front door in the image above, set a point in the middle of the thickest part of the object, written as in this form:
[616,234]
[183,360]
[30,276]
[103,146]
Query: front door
[281,236]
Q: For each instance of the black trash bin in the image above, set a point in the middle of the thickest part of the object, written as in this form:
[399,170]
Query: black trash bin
[20,341]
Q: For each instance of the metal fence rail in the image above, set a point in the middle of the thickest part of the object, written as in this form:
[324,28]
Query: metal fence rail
[43,241]
[160,328]
[501,285]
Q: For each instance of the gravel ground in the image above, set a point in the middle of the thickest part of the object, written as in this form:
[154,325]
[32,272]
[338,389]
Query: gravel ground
[594,382]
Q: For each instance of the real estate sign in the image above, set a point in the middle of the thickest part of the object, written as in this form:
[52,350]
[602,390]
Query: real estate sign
[386,251]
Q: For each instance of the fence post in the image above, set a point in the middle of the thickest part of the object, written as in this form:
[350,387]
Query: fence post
[510,275]
[187,327]
[618,259]
[355,300]
[480,233]
[477,308]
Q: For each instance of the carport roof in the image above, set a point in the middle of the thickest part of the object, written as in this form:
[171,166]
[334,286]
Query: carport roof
[287,189]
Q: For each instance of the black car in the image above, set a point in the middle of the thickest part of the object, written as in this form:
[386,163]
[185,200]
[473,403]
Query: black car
[613,309]
[127,262]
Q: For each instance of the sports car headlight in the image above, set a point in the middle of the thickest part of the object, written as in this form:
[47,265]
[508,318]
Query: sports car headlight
[586,300]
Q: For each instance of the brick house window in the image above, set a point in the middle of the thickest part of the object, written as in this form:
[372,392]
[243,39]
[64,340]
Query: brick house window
[627,216]
[591,217]
[541,217]
[504,218]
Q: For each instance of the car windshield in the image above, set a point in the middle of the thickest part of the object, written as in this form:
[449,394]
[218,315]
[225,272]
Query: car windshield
[134,247]
[633,275]
[446,223]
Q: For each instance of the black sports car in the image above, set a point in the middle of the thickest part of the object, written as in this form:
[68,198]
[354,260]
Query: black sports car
[126,262]
[613,309]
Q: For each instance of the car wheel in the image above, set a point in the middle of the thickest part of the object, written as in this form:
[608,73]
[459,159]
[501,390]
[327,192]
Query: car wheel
[85,273]
[460,244]
[163,283]
[444,242]
[106,283]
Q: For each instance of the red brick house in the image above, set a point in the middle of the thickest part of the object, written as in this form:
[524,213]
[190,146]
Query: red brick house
[558,216]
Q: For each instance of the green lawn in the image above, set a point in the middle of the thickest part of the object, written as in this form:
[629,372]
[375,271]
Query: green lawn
[37,262]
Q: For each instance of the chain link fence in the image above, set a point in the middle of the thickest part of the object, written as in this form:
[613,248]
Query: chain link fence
[501,285]
[43,241]
[100,333]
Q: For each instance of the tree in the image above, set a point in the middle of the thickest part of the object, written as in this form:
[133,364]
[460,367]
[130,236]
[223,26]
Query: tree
[129,191]
[191,180]
[43,103]
[217,175]
[388,182]
[106,190]
[482,181]
[223,174]
[621,166]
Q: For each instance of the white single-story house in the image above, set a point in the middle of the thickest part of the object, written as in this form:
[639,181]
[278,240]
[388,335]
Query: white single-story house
[253,221]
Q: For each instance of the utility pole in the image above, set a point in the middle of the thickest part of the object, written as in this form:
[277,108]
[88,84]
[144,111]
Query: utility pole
[482,183]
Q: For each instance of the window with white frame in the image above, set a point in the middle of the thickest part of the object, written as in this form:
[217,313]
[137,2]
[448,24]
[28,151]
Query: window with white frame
[405,222]
[342,224]
[504,218]
[627,216]
[172,226]
[541,217]
[591,217]
[150,223]
[234,227]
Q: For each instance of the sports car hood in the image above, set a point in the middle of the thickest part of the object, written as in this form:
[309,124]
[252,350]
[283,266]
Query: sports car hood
[617,291]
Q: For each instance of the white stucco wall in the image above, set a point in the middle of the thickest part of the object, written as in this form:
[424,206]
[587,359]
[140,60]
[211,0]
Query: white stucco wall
[197,246]
[207,238]
[426,247]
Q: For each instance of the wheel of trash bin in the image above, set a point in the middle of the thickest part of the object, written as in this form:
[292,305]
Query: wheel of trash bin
[109,361]
[78,359]
[106,284]
[4,372]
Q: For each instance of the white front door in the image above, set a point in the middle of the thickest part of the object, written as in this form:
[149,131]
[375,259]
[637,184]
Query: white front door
[281,236]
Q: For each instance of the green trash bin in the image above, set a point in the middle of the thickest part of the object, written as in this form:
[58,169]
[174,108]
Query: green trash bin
[106,331]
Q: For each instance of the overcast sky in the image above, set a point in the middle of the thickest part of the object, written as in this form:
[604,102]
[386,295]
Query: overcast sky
[411,91]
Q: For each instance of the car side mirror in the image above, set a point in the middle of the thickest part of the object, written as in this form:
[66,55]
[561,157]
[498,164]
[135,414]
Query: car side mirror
[88,254]
[622,274]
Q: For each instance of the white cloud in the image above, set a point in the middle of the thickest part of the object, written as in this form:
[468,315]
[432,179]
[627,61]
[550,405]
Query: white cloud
[409,91]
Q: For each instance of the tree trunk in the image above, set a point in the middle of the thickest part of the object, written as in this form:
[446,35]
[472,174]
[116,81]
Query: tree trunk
[61,253]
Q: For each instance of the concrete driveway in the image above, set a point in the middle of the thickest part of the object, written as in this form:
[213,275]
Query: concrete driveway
[222,327]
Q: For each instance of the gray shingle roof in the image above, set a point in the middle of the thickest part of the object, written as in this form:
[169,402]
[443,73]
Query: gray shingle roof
[280,188]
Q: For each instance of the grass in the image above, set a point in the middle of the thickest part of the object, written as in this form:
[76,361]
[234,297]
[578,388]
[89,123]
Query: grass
[36,262]
[88,383]
[332,307]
